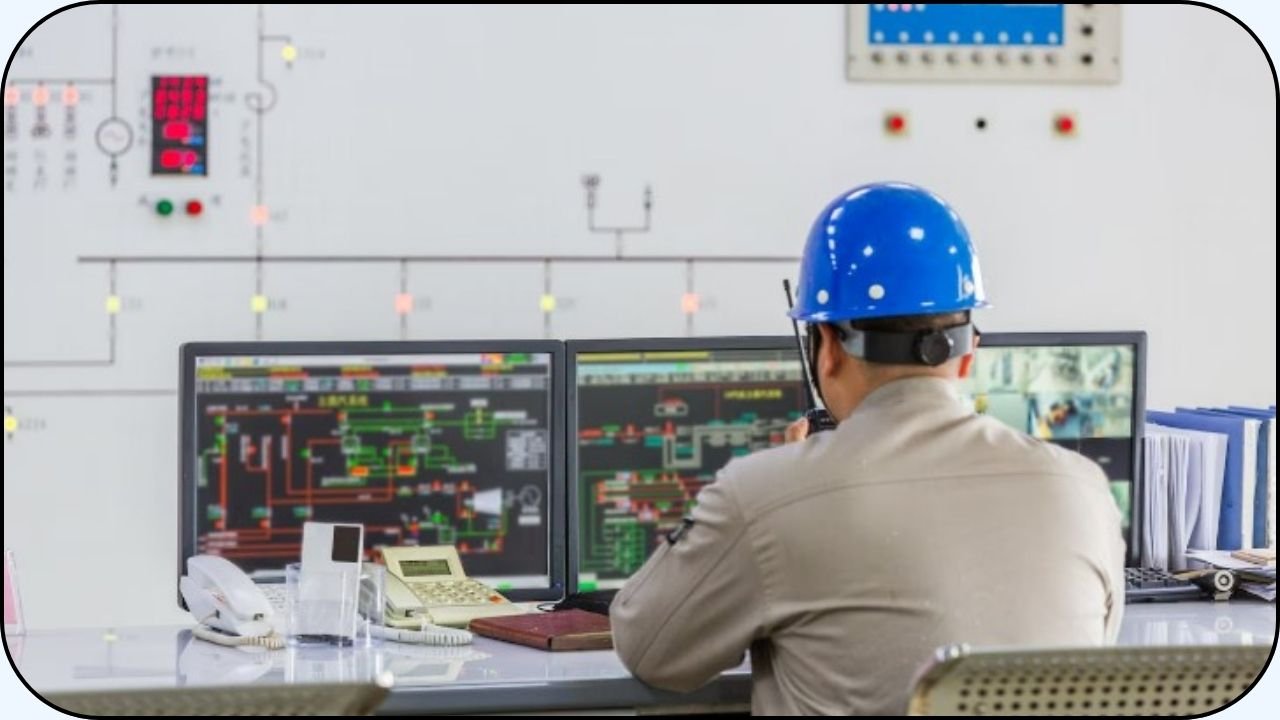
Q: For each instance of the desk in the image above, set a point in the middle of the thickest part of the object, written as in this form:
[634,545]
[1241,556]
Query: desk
[491,676]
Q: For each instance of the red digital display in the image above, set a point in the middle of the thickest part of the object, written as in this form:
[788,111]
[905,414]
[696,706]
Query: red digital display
[179,138]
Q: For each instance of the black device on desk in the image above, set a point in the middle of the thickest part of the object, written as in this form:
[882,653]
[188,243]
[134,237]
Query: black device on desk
[1151,584]
[651,421]
[422,443]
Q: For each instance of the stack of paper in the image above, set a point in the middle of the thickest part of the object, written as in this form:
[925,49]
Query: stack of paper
[1192,492]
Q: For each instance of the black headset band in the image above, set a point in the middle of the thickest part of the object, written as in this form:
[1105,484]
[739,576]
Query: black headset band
[921,347]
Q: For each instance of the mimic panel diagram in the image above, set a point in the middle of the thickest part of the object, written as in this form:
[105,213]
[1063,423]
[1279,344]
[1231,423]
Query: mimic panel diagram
[418,457]
[650,437]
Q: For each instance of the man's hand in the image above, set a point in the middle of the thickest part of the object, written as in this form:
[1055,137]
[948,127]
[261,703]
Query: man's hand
[797,431]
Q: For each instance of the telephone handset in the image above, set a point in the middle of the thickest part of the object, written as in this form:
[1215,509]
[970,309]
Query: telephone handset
[231,609]
[817,417]
[427,584]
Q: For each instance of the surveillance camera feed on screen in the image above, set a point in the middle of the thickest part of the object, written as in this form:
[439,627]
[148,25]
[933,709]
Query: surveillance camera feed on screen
[1079,397]
[653,429]
[433,449]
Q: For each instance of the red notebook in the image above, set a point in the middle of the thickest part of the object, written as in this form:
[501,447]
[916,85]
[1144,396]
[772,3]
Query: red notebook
[561,630]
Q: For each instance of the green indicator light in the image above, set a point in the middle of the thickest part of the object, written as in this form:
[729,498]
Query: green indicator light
[164,208]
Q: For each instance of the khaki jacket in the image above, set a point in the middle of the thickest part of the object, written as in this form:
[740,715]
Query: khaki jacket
[842,562]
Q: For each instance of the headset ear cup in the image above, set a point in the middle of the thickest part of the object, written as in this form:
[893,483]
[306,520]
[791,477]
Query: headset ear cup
[934,347]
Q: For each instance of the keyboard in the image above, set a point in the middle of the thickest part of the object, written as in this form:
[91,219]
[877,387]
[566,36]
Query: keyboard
[1141,585]
[1150,584]
[454,592]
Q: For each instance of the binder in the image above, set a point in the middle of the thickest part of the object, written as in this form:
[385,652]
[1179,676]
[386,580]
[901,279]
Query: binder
[1200,506]
[1231,515]
[1264,499]
[1253,508]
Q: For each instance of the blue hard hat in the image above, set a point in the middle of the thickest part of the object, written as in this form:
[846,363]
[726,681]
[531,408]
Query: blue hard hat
[884,250]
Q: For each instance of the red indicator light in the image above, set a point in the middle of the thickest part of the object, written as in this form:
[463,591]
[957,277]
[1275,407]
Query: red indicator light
[1064,124]
[895,123]
[194,207]
[170,159]
[70,95]
[176,131]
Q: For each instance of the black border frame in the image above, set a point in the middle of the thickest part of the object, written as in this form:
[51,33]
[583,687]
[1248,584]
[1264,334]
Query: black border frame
[556,535]
[1137,339]
[659,344]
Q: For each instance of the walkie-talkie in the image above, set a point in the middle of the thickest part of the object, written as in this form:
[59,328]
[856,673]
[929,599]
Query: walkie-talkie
[817,418]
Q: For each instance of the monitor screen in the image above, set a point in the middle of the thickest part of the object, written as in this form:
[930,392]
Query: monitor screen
[1078,392]
[423,446]
[652,422]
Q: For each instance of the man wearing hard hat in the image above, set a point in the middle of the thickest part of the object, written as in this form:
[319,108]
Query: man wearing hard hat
[843,560]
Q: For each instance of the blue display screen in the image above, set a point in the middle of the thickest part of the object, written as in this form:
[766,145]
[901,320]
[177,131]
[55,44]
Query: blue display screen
[965,24]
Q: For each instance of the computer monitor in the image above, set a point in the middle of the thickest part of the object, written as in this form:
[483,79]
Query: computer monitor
[651,421]
[424,443]
[1083,391]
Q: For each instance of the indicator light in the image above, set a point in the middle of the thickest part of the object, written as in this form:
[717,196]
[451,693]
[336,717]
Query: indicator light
[258,304]
[689,303]
[547,303]
[70,95]
[289,53]
[194,208]
[404,303]
[1064,124]
[895,123]
[164,207]
[113,304]
[259,215]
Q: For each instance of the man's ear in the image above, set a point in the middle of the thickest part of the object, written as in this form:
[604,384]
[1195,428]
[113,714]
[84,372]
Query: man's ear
[966,360]
[831,355]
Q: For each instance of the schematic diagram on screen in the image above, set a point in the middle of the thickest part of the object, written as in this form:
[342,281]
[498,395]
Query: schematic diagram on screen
[430,454]
[654,428]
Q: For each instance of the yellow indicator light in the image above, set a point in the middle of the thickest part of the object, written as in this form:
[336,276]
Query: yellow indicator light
[113,304]
[258,303]
[547,303]
[289,53]
[10,424]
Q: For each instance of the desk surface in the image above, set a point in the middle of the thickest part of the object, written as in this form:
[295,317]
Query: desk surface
[489,676]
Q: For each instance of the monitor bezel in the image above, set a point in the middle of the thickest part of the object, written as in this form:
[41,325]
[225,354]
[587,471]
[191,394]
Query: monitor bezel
[1136,339]
[188,353]
[656,344]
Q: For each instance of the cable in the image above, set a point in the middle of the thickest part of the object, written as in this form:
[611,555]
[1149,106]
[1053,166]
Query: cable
[428,635]
[208,634]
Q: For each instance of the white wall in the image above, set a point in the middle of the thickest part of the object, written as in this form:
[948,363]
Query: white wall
[444,130]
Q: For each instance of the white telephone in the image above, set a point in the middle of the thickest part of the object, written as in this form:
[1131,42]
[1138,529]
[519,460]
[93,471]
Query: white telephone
[229,606]
[427,584]
[233,610]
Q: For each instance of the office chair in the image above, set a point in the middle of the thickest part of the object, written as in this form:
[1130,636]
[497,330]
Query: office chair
[348,699]
[1093,681]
